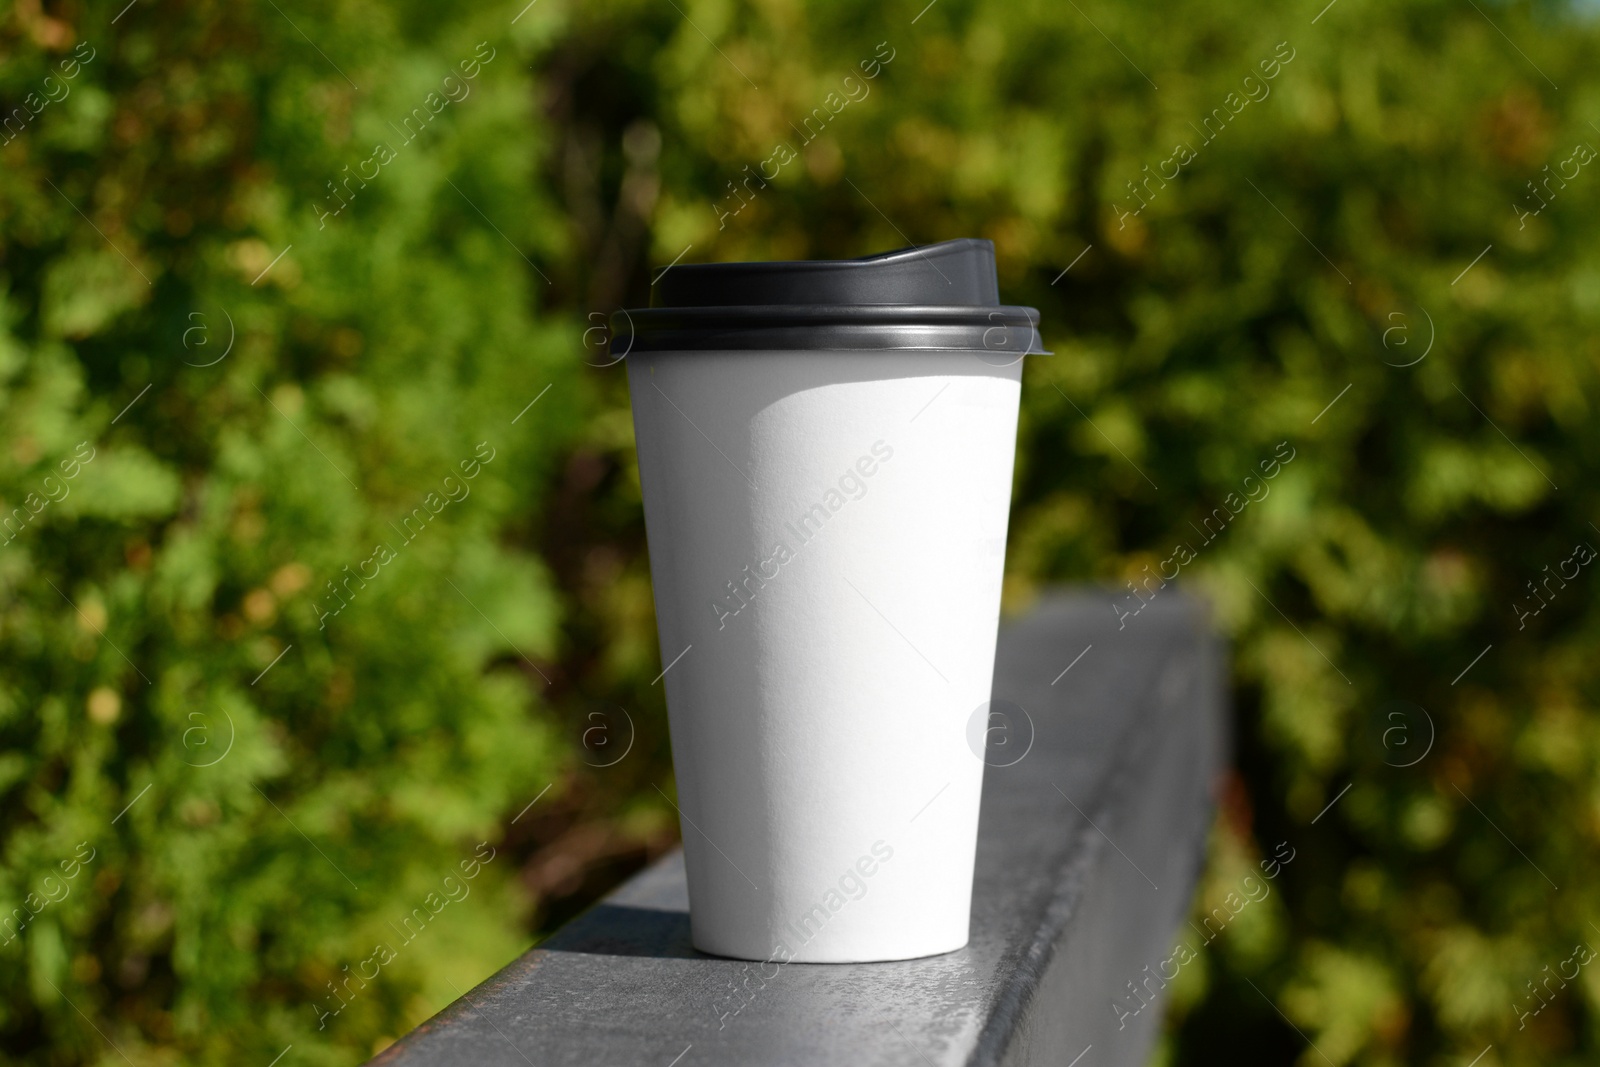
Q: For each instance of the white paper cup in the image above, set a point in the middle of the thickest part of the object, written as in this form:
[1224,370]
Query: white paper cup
[827,536]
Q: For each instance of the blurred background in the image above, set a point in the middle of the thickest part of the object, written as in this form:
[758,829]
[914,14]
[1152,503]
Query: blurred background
[322,563]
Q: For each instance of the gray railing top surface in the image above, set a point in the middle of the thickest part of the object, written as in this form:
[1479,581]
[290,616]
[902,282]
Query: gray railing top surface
[1088,850]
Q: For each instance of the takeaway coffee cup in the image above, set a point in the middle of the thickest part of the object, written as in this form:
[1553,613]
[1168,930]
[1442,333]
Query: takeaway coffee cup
[825,452]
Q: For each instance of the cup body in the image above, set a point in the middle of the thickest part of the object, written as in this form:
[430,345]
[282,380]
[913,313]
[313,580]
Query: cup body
[827,537]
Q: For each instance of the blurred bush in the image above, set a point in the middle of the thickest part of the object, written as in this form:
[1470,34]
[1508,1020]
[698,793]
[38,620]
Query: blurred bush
[271,276]
[265,656]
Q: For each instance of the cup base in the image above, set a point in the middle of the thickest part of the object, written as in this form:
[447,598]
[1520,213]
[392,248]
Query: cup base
[834,956]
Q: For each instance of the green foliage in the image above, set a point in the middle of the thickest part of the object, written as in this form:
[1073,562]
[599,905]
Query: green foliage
[296,775]
[1278,292]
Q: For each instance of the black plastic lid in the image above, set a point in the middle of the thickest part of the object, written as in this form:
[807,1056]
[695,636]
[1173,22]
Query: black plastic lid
[940,297]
